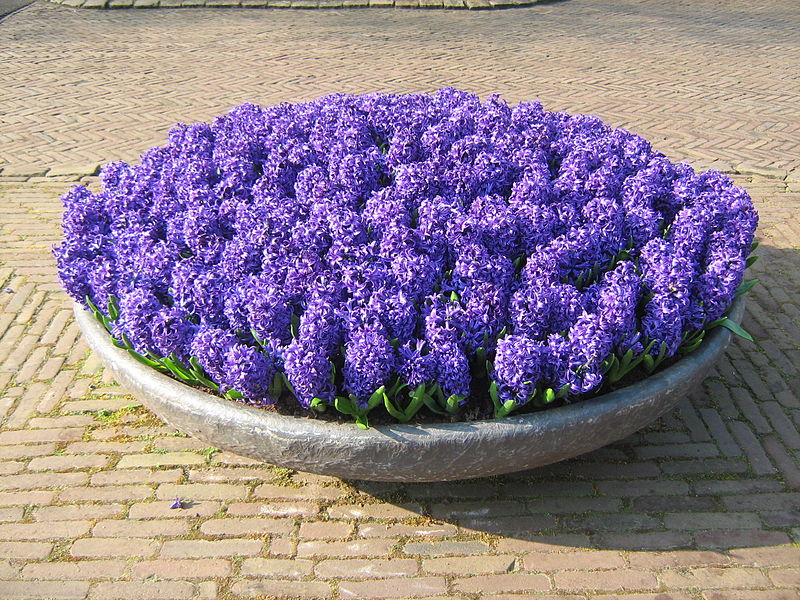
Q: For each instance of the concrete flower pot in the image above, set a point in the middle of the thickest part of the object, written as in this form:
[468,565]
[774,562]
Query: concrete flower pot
[446,451]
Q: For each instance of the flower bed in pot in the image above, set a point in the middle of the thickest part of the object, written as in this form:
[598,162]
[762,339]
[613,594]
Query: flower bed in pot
[425,259]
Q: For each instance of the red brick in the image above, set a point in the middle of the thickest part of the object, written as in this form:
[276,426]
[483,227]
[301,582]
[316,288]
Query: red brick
[677,558]
[656,596]
[762,502]
[8,515]
[573,560]
[47,590]
[356,548]
[785,577]
[237,527]
[44,531]
[201,568]
[227,474]
[147,590]
[12,452]
[102,447]
[214,548]
[446,548]
[308,492]
[465,510]
[102,547]
[17,498]
[325,530]
[10,467]
[112,493]
[375,511]
[365,568]
[277,567]
[704,520]
[82,570]
[752,595]
[412,587]
[740,537]
[137,461]
[782,556]
[63,421]
[280,589]
[275,509]
[611,581]
[136,476]
[469,565]
[510,582]
[27,481]
[25,550]
[369,530]
[67,463]
[32,436]
[714,578]
[647,487]
[137,528]
[657,540]
[201,491]
[76,512]
[8,571]
[180,444]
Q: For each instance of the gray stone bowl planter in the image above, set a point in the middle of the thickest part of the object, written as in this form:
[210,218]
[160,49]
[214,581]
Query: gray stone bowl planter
[446,451]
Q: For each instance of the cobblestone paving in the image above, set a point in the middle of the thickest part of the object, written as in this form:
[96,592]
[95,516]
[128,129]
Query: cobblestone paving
[703,505]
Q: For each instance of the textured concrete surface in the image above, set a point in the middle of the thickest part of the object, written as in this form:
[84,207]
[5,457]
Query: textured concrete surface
[703,505]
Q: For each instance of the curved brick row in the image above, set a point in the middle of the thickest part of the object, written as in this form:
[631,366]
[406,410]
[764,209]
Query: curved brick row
[453,4]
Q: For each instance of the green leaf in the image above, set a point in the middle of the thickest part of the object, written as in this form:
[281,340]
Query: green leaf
[256,337]
[319,404]
[549,396]
[146,361]
[392,410]
[417,402]
[376,398]
[126,341]
[745,287]
[344,405]
[113,308]
[626,359]
[276,387]
[452,405]
[692,347]
[563,391]
[505,409]
[493,395]
[174,366]
[431,403]
[754,245]
[736,328]
[234,395]
[288,384]
[454,296]
[750,260]
[362,421]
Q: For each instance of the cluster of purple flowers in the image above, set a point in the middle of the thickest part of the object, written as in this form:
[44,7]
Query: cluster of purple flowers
[336,247]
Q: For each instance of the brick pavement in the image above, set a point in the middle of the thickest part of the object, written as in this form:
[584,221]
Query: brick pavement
[705,504]
[301,4]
